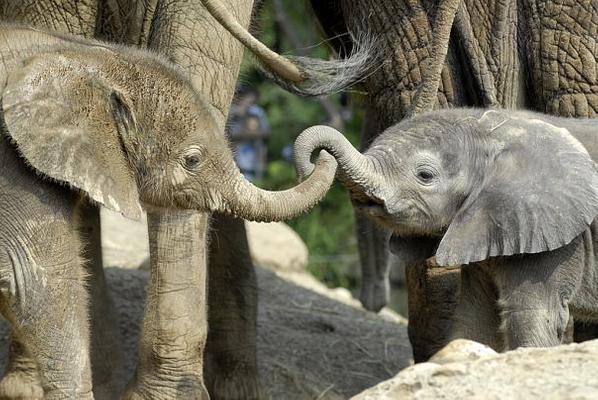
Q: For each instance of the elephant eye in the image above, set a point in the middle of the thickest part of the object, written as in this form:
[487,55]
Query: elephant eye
[425,176]
[192,159]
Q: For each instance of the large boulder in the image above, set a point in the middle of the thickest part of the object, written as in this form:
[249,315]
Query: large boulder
[469,370]
[124,241]
[276,246]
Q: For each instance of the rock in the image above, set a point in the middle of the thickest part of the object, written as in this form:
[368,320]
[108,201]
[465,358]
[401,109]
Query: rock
[476,372]
[276,246]
[124,241]
[461,350]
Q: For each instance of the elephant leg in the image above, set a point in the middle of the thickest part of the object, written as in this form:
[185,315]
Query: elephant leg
[175,323]
[534,294]
[432,299]
[44,296]
[477,316]
[374,259]
[106,355]
[231,362]
[21,379]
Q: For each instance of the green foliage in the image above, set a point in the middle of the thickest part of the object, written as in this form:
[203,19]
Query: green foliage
[328,230]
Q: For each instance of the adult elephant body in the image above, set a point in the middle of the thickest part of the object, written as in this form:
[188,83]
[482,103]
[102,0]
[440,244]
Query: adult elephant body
[538,55]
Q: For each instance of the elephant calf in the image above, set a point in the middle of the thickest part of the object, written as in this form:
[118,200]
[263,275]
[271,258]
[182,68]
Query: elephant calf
[81,121]
[510,196]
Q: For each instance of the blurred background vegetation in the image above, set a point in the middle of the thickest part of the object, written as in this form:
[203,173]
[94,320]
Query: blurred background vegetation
[328,230]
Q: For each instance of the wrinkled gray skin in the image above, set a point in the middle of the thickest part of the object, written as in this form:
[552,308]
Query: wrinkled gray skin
[84,120]
[510,195]
[506,53]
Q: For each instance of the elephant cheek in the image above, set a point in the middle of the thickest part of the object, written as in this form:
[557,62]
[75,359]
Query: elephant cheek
[179,177]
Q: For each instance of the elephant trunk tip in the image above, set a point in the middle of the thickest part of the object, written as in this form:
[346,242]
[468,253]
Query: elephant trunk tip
[310,140]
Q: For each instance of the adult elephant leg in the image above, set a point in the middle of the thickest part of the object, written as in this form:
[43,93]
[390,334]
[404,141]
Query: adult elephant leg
[372,242]
[174,325]
[106,357]
[231,362]
[185,32]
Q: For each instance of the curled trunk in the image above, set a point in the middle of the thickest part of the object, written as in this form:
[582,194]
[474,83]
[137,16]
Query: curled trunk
[357,170]
[244,200]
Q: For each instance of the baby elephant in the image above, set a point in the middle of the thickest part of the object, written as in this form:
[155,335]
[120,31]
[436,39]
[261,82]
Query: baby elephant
[83,121]
[511,196]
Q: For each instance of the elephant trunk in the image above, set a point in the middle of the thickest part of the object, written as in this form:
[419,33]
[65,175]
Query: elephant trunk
[247,201]
[357,171]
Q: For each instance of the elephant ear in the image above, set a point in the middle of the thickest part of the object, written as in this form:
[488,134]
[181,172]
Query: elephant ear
[538,193]
[67,123]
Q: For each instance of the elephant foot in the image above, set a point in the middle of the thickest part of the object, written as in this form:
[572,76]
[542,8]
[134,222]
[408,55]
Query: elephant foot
[237,387]
[21,385]
[375,295]
[191,389]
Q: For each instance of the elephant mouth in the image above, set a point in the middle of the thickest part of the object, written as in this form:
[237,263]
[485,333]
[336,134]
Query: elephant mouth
[375,210]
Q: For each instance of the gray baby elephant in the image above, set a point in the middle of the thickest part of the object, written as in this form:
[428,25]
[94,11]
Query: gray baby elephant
[82,120]
[511,196]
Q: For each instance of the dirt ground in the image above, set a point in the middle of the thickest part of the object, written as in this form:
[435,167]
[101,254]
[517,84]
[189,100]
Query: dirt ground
[309,346]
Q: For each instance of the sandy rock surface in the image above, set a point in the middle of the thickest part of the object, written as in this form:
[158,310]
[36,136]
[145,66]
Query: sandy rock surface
[564,372]
[124,241]
[276,246]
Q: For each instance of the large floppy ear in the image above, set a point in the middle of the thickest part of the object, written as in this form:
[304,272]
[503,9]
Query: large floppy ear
[67,123]
[538,193]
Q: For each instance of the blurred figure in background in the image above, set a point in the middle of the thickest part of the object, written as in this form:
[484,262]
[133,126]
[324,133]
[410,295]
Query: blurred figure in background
[248,129]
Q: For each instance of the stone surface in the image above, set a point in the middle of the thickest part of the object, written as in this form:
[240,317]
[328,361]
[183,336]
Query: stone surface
[276,246]
[124,241]
[564,372]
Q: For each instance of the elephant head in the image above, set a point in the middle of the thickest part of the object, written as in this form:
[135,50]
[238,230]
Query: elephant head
[484,184]
[126,128]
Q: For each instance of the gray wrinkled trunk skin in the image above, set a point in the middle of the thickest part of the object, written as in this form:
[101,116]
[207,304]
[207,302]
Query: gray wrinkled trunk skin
[502,53]
[77,18]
